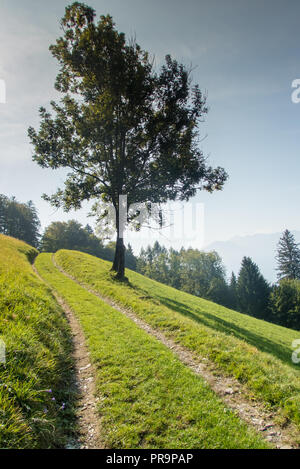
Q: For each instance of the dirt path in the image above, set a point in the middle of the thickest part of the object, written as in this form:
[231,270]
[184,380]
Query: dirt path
[84,383]
[231,391]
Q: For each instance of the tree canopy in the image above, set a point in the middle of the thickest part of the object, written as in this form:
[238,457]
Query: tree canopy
[19,220]
[121,127]
[252,290]
[72,235]
[196,272]
[285,303]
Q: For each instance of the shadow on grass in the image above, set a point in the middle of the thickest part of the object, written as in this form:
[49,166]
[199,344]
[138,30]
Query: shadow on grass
[214,322]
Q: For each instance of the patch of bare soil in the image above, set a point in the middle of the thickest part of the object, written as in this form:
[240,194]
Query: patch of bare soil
[235,395]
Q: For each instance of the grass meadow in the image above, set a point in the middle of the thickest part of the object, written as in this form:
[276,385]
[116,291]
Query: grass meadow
[36,402]
[147,397]
[255,352]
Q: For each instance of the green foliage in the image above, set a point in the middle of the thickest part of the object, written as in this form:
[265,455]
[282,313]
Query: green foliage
[190,270]
[38,350]
[288,257]
[233,292]
[203,275]
[72,235]
[19,220]
[130,259]
[147,397]
[285,303]
[256,352]
[121,127]
[252,290]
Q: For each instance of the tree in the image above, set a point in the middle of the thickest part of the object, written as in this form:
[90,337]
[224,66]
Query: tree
[233,291]
[19,220]
[203,274]
[130,259]
[196,272]
[89,229]
[175,266]
[252,290]
[72,235]
[121,128]
[288,257]
[64,235]
[285,304]
[31,223]
[3,208]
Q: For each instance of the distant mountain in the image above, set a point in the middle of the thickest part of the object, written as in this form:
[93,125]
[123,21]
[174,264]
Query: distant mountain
[260,247]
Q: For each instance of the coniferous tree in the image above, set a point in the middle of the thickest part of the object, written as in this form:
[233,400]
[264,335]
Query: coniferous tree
[130,259]
[141,262]
[19,220]
[288,257]
[3,210]
[285,303]
[31,223]
[252,290]
[233,291]
[175,267]
[89,229]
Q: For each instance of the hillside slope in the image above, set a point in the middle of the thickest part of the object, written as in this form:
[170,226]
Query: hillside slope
[147,398]
[38,363]
[257,353]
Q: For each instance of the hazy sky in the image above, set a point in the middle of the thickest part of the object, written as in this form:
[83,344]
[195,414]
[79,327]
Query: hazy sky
[246,55]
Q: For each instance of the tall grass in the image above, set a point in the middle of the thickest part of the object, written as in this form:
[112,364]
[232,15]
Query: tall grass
[35,380]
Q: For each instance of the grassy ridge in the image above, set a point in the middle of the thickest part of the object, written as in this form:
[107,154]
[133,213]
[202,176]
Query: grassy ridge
[37,343]
[256,352]
[148,398]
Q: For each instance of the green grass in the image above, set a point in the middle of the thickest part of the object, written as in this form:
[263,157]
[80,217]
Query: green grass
[254,351]
[38,347]
[147,397]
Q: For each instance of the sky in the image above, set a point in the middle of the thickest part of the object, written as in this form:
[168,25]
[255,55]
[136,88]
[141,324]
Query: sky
[245,56]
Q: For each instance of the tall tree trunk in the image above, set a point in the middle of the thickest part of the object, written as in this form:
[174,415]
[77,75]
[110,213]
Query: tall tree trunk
[119,259]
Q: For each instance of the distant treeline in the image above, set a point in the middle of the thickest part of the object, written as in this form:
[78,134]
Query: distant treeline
[190,270]
[199,273]
[203,274]
[72,235]
[21,221]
